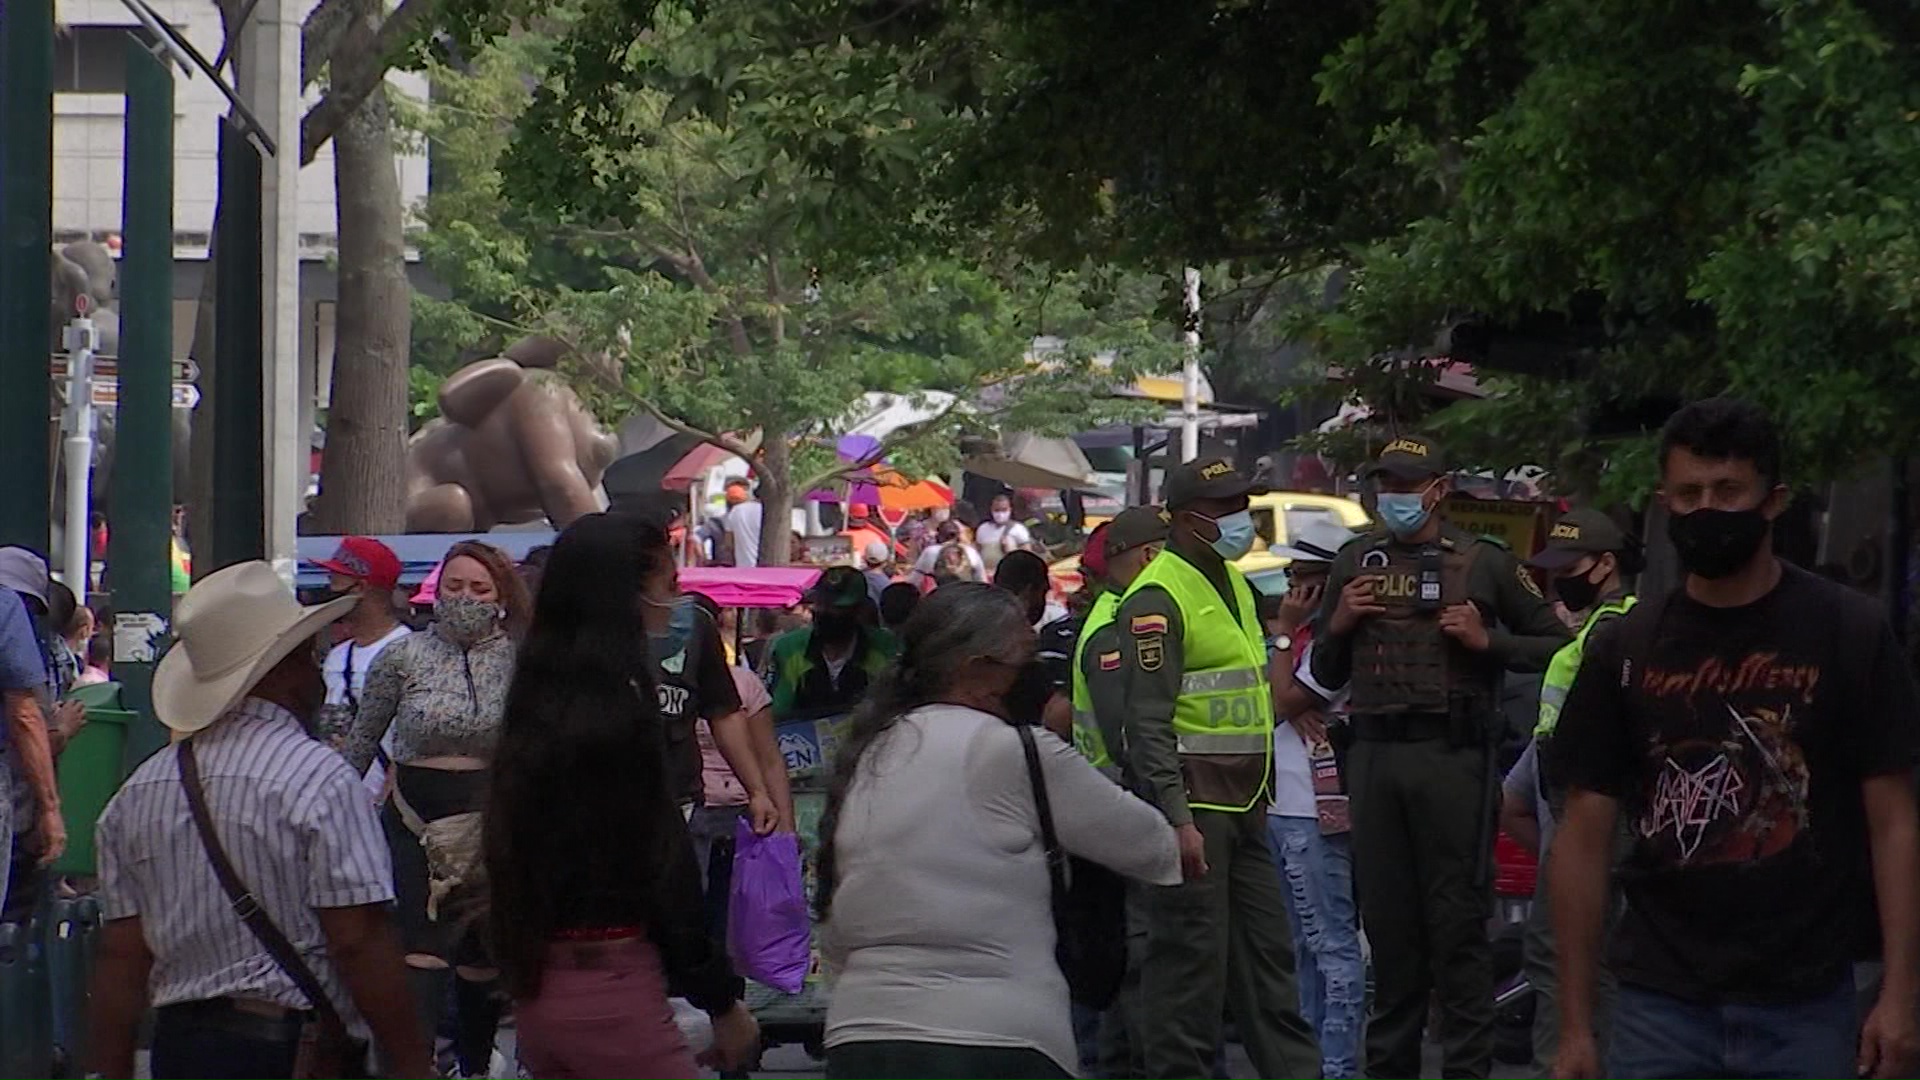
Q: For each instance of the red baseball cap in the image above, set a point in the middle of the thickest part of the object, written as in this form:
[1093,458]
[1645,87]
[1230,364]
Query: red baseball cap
[1093,558]
[365,559]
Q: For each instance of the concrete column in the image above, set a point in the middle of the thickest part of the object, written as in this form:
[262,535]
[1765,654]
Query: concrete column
[271,87]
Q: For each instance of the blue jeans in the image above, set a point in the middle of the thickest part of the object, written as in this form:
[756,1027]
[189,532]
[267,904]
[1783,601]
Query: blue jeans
[1318,873]
[1655,1035]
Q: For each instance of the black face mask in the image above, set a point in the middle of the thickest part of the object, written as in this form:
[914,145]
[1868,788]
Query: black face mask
[1714,544]
[1577,592]
[835,627]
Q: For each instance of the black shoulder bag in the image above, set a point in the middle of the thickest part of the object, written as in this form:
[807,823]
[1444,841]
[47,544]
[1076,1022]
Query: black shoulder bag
[327,1051]
[1089,905]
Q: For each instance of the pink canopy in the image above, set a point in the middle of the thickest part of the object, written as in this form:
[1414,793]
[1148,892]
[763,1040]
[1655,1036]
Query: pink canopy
[429,588]
[750,586]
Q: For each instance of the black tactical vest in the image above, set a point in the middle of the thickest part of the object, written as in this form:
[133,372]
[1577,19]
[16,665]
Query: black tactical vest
[1402,662]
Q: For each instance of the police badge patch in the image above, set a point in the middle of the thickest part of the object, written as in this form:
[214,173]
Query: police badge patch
[1527,582]
[1152,651]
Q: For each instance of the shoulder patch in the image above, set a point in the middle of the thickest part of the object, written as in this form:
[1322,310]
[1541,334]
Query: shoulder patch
[1110,661]
[1148,624]
[1527,582]
[1152,652]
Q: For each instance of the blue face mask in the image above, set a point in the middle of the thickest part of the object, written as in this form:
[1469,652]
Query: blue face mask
[1236,535]
[1404,513]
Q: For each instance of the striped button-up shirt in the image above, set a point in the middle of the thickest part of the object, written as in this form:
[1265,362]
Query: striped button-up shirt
[298,828]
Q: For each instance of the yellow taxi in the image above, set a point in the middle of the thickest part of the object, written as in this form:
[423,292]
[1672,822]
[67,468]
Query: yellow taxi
[1277,515]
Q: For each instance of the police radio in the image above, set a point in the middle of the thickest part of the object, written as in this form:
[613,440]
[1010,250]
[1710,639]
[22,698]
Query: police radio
[1428,595]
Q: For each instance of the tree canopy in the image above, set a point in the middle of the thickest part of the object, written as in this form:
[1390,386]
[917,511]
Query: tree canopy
[707,273]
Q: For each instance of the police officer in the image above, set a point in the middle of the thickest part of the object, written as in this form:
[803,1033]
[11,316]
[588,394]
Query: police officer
[1127,544]
[1418,622]
[1588,558]
[1117,554]
[1198,728]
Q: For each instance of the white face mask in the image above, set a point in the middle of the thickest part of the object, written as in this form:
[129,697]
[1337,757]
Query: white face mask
[1001,517]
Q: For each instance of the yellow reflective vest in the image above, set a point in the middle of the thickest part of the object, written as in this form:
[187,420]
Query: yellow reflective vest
[1566,664]
[1225,708]
[1087,737]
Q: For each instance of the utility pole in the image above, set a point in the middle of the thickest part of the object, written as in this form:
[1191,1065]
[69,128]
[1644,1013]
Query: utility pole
[80,340]
[141,499]
[270,82]
[26,251]
[239,471]
[1190,381]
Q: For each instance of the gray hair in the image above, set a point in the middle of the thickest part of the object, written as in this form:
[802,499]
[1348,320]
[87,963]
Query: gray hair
[957,623]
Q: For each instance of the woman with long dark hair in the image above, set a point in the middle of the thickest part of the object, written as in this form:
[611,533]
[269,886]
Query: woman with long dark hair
[933,884]
[596,900]
[442,693]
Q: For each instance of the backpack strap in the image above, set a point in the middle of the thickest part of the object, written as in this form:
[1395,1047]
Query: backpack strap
[286,956]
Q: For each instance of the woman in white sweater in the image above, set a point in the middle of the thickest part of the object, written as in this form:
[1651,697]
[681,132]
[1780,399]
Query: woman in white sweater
[933,880]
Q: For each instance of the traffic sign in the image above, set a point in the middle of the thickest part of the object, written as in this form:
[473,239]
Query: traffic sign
[106,393]
[184,370]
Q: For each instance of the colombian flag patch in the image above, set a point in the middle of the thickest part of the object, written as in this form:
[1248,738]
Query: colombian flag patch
[1110,661]
[1148,624]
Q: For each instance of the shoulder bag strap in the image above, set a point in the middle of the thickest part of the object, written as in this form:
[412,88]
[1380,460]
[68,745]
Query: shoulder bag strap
[1056,855]
[245,904]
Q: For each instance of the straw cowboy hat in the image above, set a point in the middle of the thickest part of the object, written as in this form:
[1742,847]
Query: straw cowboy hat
[231,628]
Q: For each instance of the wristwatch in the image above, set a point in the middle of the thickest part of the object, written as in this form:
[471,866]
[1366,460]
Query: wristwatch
[1281,643]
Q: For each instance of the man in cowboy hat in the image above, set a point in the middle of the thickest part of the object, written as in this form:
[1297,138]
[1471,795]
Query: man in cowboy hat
[238,687]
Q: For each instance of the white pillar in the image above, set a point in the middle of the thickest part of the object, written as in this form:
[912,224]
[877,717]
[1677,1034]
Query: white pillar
[272,89]
[1190,382]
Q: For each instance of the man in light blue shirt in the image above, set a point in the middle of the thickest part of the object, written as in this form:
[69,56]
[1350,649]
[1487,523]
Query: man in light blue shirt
[25,690]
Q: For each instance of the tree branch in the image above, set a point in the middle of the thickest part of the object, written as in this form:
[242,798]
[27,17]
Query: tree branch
[353,81]
[600,374]
[894,440]
[319,34]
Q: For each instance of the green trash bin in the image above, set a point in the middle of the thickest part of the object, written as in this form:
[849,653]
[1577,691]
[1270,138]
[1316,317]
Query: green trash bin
[91,771]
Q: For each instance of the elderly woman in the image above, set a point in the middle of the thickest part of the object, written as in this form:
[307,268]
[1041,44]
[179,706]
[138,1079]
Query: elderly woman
[933,879]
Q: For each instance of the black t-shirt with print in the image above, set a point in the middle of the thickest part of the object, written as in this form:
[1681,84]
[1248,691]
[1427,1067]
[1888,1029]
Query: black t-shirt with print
[1736,740]
[693,684]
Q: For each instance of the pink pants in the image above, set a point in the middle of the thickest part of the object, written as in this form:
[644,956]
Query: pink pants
[602,1011]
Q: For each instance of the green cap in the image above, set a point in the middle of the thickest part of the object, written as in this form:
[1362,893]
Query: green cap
[1577,535]
[1410,457]
[1134,526]
[838,587]
[1207,478]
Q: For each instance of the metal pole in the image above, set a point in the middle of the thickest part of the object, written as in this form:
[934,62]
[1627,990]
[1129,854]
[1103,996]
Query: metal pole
[1190,382]
[80,340]
[141,499]
[26,239]
[239,471]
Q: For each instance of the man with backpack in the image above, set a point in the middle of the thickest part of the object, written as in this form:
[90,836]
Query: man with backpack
[1758,729]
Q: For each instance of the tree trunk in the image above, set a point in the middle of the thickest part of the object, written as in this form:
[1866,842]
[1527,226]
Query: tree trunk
[363,474]
[775,470]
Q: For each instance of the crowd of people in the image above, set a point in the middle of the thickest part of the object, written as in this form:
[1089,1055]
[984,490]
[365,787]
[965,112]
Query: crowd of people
[1056,841]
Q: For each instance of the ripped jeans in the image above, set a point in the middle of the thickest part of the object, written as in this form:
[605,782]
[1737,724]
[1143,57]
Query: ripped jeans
[1318,873]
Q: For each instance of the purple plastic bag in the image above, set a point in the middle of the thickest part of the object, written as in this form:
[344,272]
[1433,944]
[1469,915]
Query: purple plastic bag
[768,933]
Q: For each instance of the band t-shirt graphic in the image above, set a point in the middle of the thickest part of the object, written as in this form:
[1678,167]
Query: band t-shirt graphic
[1736,741]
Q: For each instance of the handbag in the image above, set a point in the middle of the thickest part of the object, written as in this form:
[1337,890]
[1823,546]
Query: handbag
[1089,904]
[327,1051]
